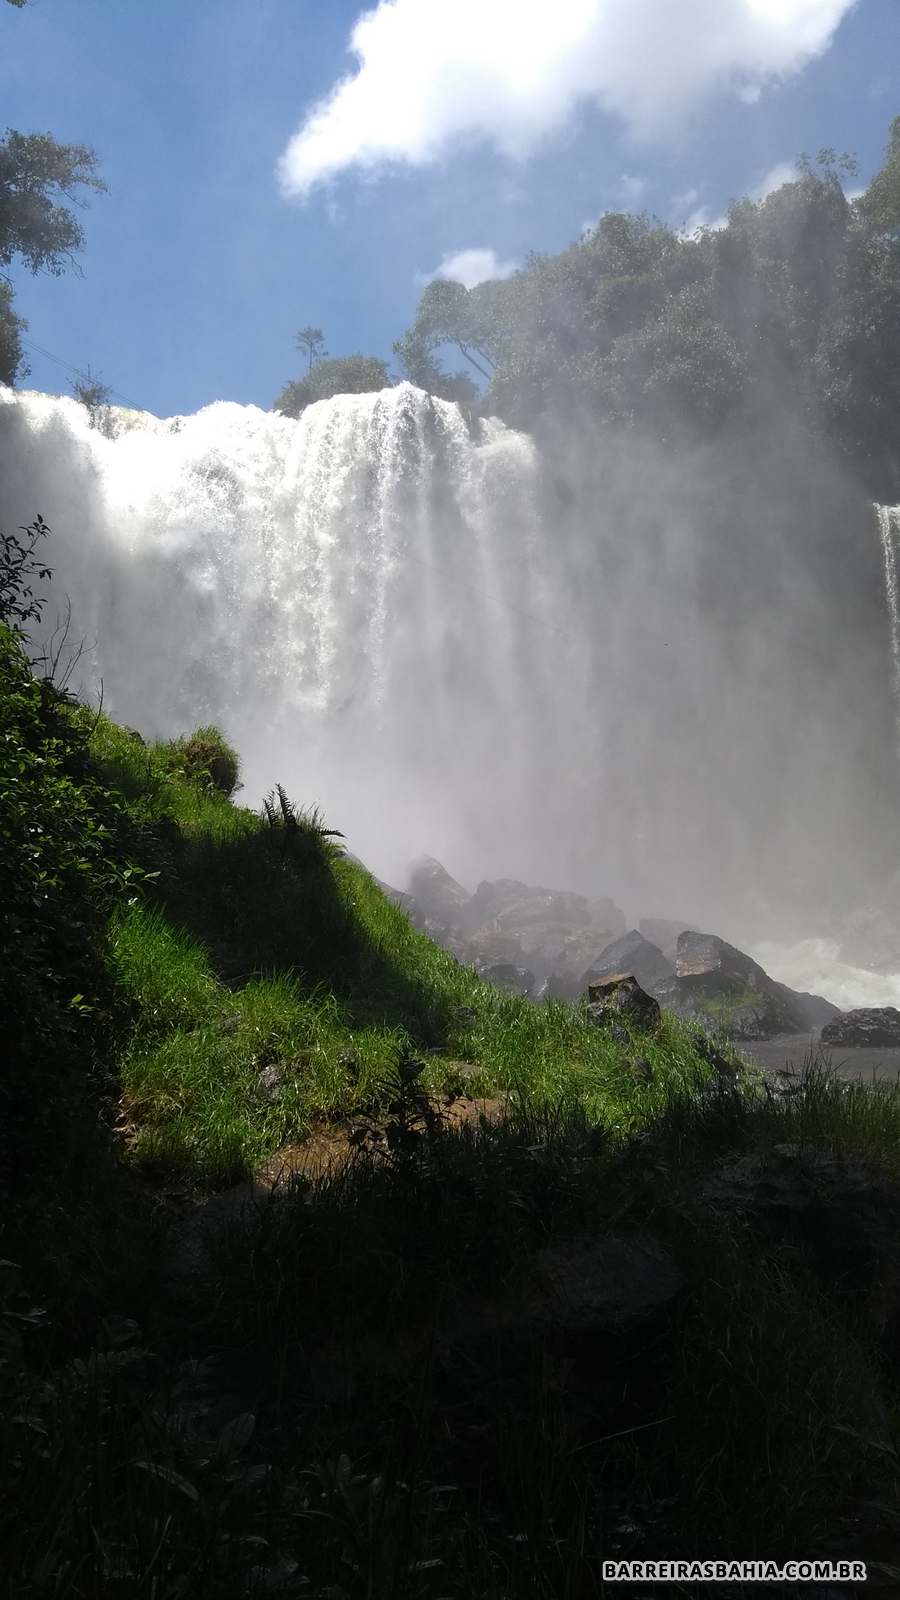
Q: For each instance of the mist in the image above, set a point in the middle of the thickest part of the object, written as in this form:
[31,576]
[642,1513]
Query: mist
[659,674]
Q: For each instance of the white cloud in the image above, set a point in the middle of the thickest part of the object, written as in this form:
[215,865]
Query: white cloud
[470,267]
[702,217]
[750,93]
[429,74]
[783,172]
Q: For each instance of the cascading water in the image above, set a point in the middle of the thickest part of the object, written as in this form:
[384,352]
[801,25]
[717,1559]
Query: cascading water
[598,666]
[335,591]
[889,528]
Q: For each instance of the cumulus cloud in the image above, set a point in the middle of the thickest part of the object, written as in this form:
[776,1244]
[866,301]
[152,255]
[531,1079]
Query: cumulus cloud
[469,267]
[783,172]
[431,74]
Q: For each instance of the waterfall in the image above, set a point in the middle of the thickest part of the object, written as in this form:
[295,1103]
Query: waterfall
[356,597]
[593,665]
[889,529]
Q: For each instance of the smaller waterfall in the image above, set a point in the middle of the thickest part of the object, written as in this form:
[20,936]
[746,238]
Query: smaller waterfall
[889,528]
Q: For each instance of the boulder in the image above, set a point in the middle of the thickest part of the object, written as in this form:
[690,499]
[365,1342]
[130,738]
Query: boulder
[635,954]
[504,975]
[620,998]
[520,906]
[715,983]
[564,956]
[869,1025]
[707,957]
[607,917]
[443,900]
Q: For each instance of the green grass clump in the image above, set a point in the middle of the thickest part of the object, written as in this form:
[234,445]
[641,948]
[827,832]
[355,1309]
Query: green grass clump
[205,757]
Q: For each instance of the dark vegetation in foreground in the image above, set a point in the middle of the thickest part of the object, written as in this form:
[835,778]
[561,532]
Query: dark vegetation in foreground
[359,1386]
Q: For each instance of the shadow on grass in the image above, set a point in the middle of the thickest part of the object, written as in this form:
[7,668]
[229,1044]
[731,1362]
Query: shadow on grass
[273,903]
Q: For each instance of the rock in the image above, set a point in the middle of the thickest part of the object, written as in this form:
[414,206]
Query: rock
[607,918]
[515,980]
[814,1008]
[632,953]
[270,1081]
[440,897]
[620,998]
[704,955]
[490,947]
[870,1025]
[716,983]
[608,1282]
[519,907]
[641,1069]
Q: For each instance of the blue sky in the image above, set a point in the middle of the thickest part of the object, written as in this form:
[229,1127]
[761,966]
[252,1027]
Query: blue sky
[199,266]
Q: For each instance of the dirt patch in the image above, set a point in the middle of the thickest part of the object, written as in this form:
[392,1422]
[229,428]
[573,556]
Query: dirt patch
[331,1145]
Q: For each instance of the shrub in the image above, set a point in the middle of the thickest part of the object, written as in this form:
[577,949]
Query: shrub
[205,757]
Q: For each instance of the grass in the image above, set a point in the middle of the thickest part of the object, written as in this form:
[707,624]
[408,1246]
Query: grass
[352,1399]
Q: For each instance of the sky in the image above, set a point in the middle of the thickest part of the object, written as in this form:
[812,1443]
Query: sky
[277,163]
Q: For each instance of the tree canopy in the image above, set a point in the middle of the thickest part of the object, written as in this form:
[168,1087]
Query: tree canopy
[40,181]
[356,374]
[794,300]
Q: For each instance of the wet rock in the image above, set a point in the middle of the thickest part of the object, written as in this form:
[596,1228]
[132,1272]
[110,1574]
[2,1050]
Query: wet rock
[632,953]
[270,1081]
[519,907]
[514,980]
[620,998]
[718,984]
[869,1025]
[442,899]
[607,917]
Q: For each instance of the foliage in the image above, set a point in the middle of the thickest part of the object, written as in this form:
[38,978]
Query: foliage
[796,296]
[356,374]
[91,392]
[40,180]
[206,757]
[312,342]
[12,356]
[19,568]
[64,860]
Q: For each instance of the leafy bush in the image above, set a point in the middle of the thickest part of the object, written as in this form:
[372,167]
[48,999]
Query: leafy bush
[205,757]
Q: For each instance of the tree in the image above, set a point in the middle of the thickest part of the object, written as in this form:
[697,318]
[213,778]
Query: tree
[356,374]
[880,205]
[95,395]
[40,180]
[312,342]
